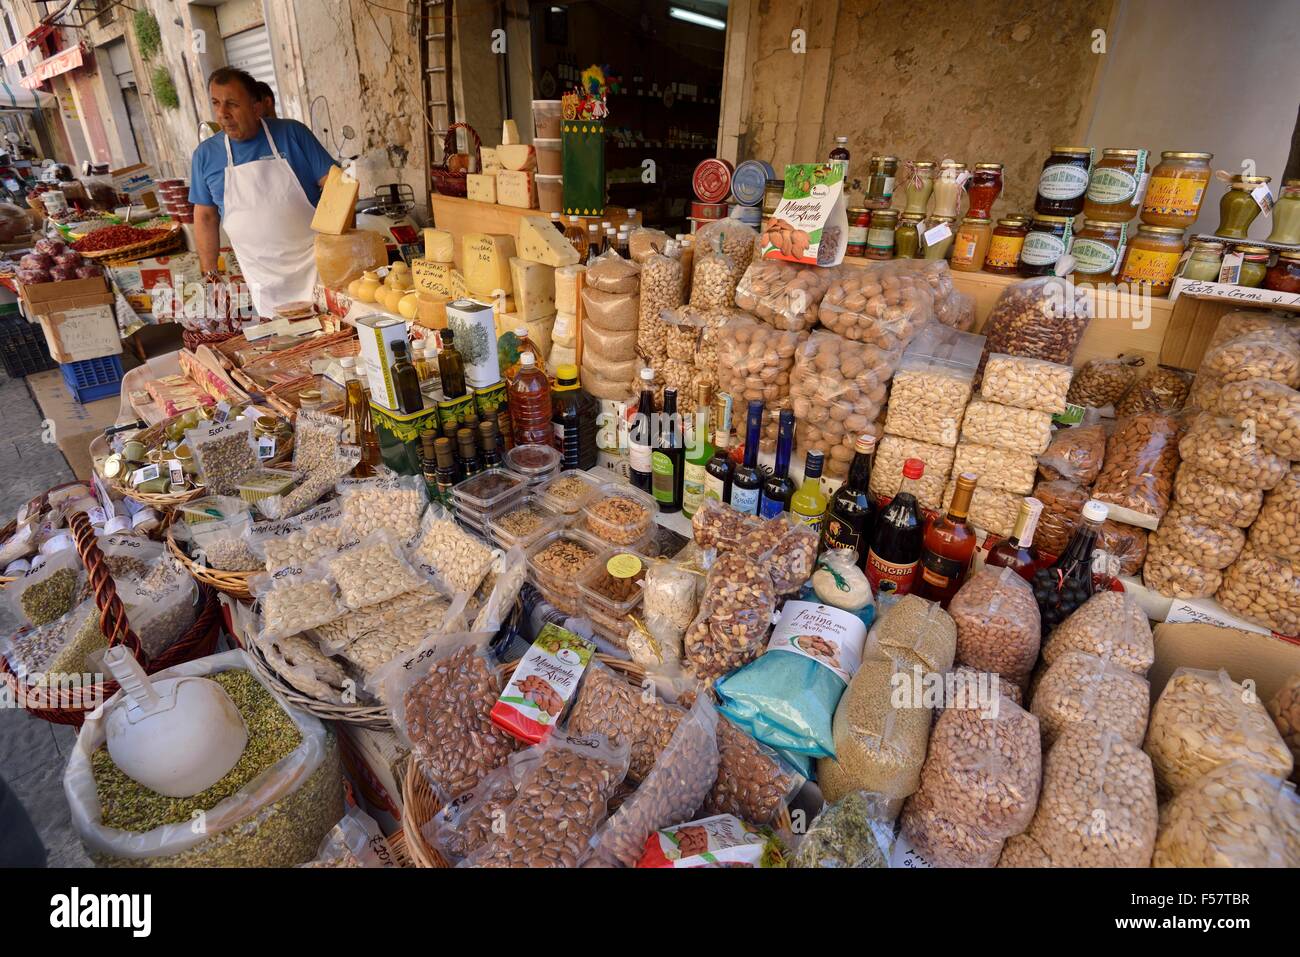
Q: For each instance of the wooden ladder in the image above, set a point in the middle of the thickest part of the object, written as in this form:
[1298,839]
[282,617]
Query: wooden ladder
[436,20]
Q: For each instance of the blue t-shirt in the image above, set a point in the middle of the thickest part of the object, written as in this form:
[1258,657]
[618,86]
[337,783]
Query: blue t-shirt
[296,143]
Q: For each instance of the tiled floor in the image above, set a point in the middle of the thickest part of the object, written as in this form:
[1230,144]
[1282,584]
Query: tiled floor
[33,753]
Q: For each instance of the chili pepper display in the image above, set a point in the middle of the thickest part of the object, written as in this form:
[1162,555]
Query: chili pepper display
[114,236]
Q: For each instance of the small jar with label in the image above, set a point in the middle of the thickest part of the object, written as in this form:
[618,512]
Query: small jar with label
[1152,259]
[1003,256]
[984,188]
[1254,265]
[1047,241]
[949,185]
[859,220]
[941,244]
[971,244]
[907,241]
[1204,263]
[1284,275]
[1286,214]
[1097,249]
[917,185]
[880,182]
[1238,207]
[1176,189]
[1113,186]
[880,234]
[1063,181]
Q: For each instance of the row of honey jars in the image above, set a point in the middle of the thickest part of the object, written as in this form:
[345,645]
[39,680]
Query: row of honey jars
[1113,189]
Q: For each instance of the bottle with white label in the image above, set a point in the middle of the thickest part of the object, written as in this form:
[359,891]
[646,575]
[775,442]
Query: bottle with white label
[747,481]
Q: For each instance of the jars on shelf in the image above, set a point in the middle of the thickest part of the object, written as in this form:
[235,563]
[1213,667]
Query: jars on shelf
[1254,265]
[1063,181]
[1284,275]
[772,194]
[971,244]
[1152,258]
[940,248]
[1238,207]
[984,188]
[1097,249]
[1003,256]
[917,186]
[880,181]
[948,183]
[859,219]
[1113,185]
[880,234]
[1286,214]
[1176,189]
[907,242]
[1047,241]
[1205,261]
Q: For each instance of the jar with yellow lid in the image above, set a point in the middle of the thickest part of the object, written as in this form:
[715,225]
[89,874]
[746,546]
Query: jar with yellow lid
[1176,189]
[1286,214]
[1063,181]
[1113,186]
[907,240]
[1238,206]
[1003,256]
[971,244]
[1097,249]
[917,185]
[939,248]
[1046,242]
[1254,264]
[1205,261]
[1152,258]
[1284,275]
[948,189]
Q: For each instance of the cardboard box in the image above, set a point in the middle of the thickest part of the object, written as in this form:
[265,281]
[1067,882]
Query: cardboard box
[84,330]
[1266,660]
[43,298]
[72,424]
[378,332]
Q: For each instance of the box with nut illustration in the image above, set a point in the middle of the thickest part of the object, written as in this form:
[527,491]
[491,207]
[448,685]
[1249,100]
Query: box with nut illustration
[809,225]
[543,684]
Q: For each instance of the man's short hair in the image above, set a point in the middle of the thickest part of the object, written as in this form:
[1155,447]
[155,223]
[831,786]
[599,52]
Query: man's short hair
[264,91]
[224,76]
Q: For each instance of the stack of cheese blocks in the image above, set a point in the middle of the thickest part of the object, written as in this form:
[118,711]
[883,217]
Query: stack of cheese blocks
[342,252]
[436,279]
[507,174]
[1003,433]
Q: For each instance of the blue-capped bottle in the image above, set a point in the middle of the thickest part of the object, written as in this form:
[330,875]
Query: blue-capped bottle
[779,488]
[747,482]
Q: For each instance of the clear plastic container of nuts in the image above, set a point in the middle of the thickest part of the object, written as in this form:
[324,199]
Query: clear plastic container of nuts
[568,491]
[1081,689]
[619,514]
[926,404]
[784,295]
[997,468]
[1276,532]
[1270,408]
[1264,354]
[1211,544]
[1026,383]
[1005,426]
[1103,381]
[1214,500]
[556,563]
[1042,318]
[1141,459]
[611,589]
[1263,589]
[1230,454]
[883,304]
[524,522]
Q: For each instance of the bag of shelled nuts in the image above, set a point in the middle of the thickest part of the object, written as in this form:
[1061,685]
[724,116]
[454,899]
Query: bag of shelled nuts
[837,389]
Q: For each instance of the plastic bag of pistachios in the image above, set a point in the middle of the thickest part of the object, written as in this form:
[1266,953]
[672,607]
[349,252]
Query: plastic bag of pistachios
[44,594]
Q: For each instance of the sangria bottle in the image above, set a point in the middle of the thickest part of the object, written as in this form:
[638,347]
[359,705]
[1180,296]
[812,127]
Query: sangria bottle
[529,398]
[895,552]
[1067,584]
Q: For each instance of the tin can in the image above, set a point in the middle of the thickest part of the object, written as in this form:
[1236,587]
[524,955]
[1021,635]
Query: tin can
[712,180]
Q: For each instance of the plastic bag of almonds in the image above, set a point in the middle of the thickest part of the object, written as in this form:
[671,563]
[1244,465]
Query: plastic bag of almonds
[1081,690]
[294,599]
[1042,318]
[784,295]
[1075,453]
[1276,532]
[734,617]
[887,474]
[682,776]
[372,569]
[993,510]
[944,840]
[299,540]
[1160,390]
[1110,625]
[1204,719]
[1284,706]
[1233,816]
[571,782]
[997,629]
[609,705]
[1063,502]
[1141,459]
[1270,408]
[1097,807]
[1264,590]
[1103,381]
[926,402]
[1264,354]
[880,304]
[440,701]
[1216,501]
[1005,427]
[997,468]
[1167,572]
[464,825]
[736,240]
[449,554]
[879,746]
[1026,383]
[1208,544]
[1230,453]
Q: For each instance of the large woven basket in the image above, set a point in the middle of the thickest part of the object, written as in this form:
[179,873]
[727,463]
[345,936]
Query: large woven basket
[374,717]
[420,804]
[234,584]
[193,339]
[171,242]
[66,706]
[444,180]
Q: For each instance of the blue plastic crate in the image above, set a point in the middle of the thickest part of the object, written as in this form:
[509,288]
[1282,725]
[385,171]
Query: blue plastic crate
[91,379]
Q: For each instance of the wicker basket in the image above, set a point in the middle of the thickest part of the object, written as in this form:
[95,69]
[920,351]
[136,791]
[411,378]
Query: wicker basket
[193,339]
[234,584]
[172,241]
[65,706]
[444,180]
[374,717]
[420,804]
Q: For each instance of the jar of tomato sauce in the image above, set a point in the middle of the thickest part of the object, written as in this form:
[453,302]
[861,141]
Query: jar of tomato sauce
[984,188]
[1097,249]
[1284,275]
[1176,189]
[971,244]
[1003,256]
[1114,185]
[1063,181]
[1152,259]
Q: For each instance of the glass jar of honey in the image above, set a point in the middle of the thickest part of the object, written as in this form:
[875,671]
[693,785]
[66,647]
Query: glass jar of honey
[1113,186]
[906,239]
[1254,265]
[1047,241]
[917,185]
[1205,261]
[880,234]
[983,190]
[1238,207]
[1063,181]
[971,244]
[1097,249]
[1284,275]
[1176,189]
[1152,258]
[1003,256]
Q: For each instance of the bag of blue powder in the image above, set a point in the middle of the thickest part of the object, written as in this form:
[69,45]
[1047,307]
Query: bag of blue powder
[787,697]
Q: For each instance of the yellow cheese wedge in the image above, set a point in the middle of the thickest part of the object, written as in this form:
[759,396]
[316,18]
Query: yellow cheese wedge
[541,242]
[481,187]
[338,203]
[517,157]
[488,156]
[439,246]
[509,133]
[486,259]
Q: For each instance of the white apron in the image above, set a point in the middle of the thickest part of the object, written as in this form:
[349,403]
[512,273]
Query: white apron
[268,219]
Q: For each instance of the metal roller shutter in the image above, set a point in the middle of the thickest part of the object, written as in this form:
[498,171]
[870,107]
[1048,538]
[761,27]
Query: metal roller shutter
[250,51]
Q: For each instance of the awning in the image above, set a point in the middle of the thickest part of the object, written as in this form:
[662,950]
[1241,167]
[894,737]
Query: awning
[15,98]
[62,62]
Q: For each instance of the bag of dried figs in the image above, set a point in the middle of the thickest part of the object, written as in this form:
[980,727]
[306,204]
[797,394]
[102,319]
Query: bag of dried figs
[997,623]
